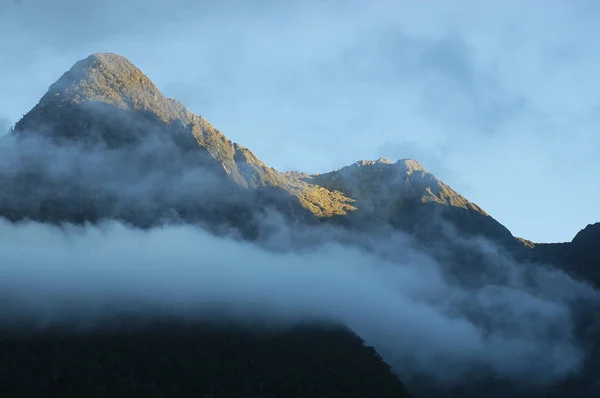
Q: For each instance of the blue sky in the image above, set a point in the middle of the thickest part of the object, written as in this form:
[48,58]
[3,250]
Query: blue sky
[499,100]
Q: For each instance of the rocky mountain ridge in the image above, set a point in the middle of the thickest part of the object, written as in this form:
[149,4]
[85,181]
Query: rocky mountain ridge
[107,99]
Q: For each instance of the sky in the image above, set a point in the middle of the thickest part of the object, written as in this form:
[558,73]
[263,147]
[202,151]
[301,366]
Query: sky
[500,102]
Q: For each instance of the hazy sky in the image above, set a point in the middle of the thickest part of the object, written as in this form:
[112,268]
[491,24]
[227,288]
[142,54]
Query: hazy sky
[499,101]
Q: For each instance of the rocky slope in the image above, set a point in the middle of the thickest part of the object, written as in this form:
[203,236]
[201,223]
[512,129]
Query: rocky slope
[105,99]
[409,198]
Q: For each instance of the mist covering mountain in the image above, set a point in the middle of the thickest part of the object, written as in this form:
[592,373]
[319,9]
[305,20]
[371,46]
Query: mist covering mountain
[128,202]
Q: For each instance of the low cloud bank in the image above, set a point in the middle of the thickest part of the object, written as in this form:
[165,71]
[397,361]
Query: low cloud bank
[417,318]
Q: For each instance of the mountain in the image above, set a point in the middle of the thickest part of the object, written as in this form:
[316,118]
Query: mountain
[114,147]
[409,198]
[104,143]
[106,100]
[172,358]
[98,92]
[580,257]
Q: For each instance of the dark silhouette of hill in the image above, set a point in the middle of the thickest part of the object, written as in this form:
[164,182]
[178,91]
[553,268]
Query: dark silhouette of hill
[580,257]
[173,358]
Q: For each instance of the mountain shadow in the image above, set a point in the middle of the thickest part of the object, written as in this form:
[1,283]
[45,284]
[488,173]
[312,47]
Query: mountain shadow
[174,358]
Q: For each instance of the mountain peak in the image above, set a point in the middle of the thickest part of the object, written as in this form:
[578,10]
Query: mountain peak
[111,79]
[101,84]
[107,65]
[110,60]
[105,99]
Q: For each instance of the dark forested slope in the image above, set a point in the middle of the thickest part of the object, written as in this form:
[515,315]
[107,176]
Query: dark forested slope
[176,359]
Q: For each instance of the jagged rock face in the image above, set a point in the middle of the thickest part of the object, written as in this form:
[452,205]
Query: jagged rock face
[409,197]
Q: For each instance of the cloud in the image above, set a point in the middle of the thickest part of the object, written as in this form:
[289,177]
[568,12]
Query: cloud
[407,309]
[147,183]
[4,125]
